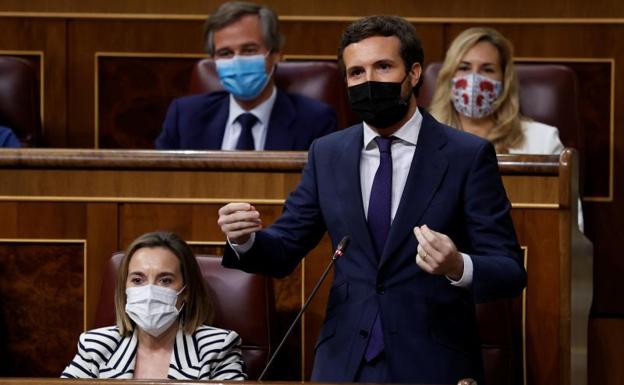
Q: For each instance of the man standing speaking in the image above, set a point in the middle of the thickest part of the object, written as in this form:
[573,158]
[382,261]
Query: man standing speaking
[428,217]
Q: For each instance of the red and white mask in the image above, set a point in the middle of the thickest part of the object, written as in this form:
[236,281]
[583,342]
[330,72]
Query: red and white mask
[474,95]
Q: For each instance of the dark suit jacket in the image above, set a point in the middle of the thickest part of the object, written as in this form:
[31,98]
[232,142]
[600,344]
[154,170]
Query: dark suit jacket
[8,138]
[429,325]
[197,122]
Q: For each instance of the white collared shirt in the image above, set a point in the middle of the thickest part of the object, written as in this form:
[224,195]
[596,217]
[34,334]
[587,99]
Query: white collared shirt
[402,150]
[259,131]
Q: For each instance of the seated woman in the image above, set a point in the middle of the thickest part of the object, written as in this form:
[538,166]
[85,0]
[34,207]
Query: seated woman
[477,92]
[161,305]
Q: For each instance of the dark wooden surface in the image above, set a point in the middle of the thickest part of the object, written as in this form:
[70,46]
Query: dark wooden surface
[57,381]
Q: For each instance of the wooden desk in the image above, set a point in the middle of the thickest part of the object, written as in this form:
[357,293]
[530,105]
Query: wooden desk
[56,381]
[65,211]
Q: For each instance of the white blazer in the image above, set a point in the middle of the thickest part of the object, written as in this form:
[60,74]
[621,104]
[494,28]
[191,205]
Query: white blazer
[207,354]
[539,138]
[542,139]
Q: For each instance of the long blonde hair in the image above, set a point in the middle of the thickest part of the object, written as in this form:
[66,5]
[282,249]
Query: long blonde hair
[507,130]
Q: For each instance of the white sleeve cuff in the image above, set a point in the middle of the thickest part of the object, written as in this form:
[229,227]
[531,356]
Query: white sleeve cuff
[466,279]
[243,247]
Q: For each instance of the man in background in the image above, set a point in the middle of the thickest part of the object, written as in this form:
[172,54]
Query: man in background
[8,138]
[251,114]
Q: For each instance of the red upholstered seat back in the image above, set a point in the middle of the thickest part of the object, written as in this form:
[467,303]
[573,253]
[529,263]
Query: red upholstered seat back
[19,99]
[243,303]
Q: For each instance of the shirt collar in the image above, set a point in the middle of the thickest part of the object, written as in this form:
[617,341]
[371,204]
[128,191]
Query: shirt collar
[408,133]
[262,111]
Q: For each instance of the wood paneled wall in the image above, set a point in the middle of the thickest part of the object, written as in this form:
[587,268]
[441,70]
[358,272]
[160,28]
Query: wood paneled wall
[443,9]
[75,41]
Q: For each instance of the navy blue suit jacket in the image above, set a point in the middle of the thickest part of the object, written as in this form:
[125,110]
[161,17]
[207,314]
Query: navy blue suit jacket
[8,138]
[429,325]
[197,122]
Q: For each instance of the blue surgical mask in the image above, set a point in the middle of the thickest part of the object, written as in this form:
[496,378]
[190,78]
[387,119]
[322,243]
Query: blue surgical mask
[243,76]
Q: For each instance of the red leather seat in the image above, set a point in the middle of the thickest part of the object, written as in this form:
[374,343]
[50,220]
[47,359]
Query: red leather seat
[320,80]
[19,99]
[243,303]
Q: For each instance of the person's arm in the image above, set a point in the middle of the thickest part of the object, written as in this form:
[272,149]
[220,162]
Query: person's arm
[494,250]
[228,364]
[553,142]
[277,250]
[82,365]
[169,138]
[330,123]
[465,281]
[8,138]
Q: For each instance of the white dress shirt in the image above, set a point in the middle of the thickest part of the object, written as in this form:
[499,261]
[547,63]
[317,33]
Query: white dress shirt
[259,131]
[402,150]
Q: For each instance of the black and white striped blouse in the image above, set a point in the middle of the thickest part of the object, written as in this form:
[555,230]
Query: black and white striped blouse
[207,354]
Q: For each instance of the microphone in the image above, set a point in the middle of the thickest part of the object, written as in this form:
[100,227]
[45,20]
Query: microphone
[340,250]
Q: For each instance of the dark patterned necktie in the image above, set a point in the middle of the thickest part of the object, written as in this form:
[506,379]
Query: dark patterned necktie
[245,139]
[379,219]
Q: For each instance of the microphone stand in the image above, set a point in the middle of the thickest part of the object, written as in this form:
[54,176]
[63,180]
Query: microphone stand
[342,246]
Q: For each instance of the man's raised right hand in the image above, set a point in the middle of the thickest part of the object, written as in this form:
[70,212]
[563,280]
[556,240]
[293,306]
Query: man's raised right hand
[238,221]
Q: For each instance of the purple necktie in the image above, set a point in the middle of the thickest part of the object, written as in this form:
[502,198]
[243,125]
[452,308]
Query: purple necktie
[245,139]
[379,212]
[379,205]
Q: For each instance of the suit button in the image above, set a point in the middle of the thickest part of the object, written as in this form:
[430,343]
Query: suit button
[363,333]
[380,288]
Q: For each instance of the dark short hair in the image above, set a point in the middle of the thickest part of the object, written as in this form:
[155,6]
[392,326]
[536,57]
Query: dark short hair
[198,307]
[231,11]
[382,25]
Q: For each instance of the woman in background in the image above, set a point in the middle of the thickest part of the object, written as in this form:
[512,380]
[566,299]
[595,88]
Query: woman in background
[477,92]
[161,305]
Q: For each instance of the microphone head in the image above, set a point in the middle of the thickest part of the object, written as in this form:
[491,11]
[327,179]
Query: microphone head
[342,246]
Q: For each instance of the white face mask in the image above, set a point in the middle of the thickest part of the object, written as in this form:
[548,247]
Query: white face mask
[152,308]
[474,95]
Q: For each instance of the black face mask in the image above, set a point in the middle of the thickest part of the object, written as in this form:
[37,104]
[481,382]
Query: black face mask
[379,103]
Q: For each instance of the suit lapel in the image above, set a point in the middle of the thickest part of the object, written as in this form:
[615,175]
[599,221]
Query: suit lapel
[347,179]
[184,361]
[215,123]
[279,131]
[122,361]
[426,172]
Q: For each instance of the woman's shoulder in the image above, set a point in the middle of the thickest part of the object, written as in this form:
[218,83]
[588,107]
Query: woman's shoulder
[539,138]
[205,330]
[101,337]
[207,335]
[531,127]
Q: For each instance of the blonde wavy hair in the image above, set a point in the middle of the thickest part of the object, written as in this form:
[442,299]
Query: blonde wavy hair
[507,131]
